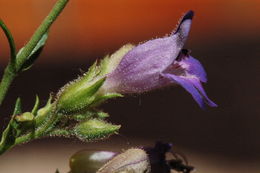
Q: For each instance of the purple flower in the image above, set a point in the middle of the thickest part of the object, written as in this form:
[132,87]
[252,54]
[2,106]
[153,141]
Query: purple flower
[158,63]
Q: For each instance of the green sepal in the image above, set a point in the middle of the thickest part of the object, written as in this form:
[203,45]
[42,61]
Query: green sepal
[91,73]
[60,133]
[33,55]
[18,106]
[36,106]
[77,96]
[89,114]
[83,116]
[94,129]
[103,65]
[43,112]
[102,115]
[102,98]
[109,63]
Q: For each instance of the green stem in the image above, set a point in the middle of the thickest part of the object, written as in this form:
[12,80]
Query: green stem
[6,81]
[42,29]
[12,71]
[10,41]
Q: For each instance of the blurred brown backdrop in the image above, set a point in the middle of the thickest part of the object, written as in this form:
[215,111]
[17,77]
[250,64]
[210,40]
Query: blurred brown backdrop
[225,37]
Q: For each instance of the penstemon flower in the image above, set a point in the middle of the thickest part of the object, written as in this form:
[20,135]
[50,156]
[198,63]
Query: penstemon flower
[154,64]
[159,63]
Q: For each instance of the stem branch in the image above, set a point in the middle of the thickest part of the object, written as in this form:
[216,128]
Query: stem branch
[12,69]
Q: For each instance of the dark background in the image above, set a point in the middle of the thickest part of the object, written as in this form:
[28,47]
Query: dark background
[224,37]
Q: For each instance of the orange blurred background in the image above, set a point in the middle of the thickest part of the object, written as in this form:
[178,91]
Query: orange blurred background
[93,28]
[224,36]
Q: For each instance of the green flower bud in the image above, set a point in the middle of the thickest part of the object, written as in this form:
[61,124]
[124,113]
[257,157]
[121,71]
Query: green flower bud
[23,122]
[25,117]
[94,129]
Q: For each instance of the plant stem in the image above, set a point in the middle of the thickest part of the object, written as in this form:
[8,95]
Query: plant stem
[10,41]
[42,29]
[12,71]
[8,77]
[50,120]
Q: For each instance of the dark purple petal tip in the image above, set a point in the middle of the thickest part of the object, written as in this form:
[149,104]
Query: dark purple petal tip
[188,16]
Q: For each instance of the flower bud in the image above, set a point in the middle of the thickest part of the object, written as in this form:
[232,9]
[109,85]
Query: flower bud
[25,117]
[94,129]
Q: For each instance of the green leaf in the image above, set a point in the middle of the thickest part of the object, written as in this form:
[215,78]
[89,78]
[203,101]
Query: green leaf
[10,41]
[94,129]
[77,96]
[34,54]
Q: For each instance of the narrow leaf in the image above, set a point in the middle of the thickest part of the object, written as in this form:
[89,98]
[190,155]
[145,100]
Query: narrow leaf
[34,54]
[36,106]
[8,138]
